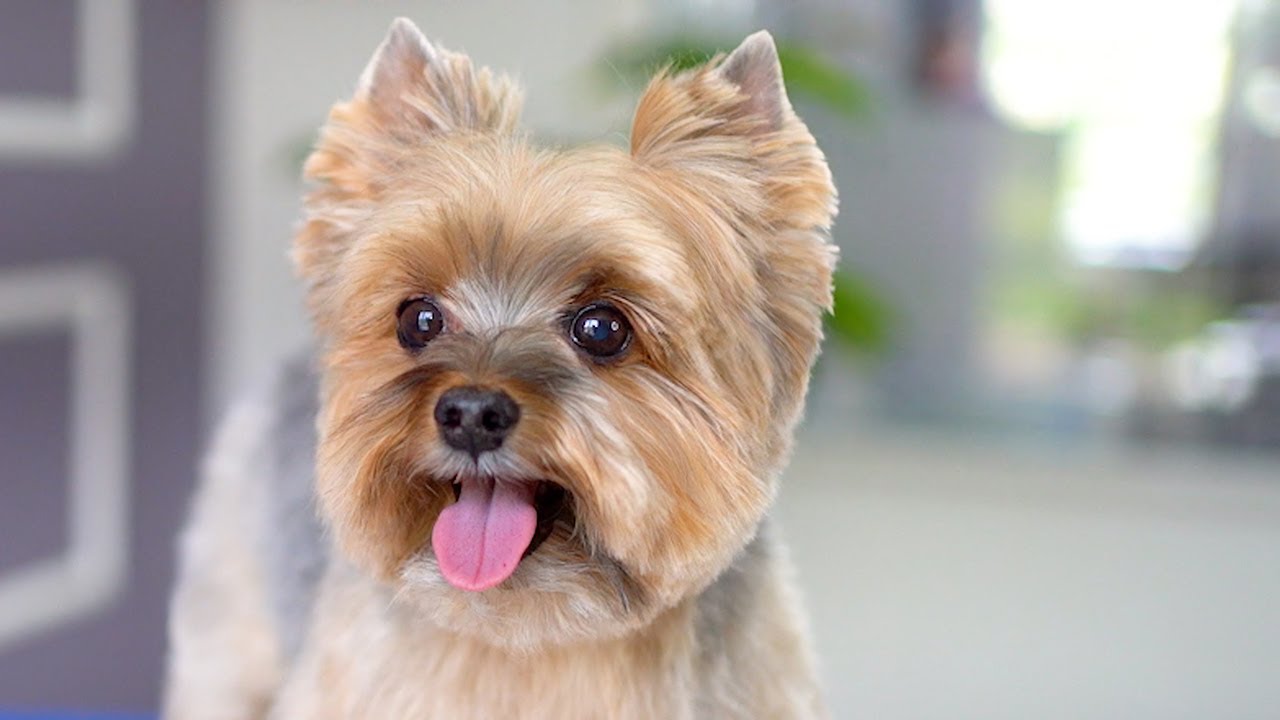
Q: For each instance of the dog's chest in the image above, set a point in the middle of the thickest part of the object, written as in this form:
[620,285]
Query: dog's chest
[453,678]
[365,661]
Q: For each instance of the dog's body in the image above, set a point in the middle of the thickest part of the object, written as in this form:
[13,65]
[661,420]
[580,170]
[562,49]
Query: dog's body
[542,482]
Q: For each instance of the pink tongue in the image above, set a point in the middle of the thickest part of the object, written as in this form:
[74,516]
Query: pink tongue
[480,538]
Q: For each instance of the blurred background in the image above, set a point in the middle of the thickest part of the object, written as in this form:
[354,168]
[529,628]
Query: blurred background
[1039,476]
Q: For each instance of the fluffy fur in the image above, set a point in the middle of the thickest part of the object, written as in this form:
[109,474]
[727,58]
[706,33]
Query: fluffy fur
[662,594]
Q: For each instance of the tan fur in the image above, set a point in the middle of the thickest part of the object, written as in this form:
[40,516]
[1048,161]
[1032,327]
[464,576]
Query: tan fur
[378,664]
[710,235]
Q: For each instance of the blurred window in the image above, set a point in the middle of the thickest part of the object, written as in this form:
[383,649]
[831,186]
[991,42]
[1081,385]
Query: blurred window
[1138,86]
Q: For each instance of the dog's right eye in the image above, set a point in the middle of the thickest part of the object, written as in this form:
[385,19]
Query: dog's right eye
[419,321]
[601,330]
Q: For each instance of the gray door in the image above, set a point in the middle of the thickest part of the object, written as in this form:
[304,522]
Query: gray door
[102,153]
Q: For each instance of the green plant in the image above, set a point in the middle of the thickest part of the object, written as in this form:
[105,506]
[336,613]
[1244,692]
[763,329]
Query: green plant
[859,317]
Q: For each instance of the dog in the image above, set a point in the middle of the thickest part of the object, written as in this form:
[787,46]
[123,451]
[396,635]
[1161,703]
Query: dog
[527,470]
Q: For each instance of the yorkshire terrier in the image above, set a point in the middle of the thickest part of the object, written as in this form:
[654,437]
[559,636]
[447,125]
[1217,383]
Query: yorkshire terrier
[527,471]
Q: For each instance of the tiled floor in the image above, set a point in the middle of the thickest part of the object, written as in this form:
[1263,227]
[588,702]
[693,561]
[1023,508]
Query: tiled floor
[952,578]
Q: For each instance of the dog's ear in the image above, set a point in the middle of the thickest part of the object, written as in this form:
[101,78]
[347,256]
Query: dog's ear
[411,94]
[724,136]
[730,123]
[418,87]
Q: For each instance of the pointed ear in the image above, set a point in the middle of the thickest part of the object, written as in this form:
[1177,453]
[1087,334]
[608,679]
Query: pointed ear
[410,93]
[728,128]
[754,69]
[724,139]
[430,88]
[398,66]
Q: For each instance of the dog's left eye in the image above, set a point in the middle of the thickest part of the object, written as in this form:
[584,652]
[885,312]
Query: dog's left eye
[419,321]
[601,331]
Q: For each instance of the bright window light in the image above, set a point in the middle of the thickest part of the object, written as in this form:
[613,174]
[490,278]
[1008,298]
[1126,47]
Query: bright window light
[1138,87]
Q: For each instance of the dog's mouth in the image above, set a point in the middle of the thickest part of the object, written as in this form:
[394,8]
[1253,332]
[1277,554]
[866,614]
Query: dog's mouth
[552,502]
[492,525]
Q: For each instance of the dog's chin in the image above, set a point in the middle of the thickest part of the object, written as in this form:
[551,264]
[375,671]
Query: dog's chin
[559,593]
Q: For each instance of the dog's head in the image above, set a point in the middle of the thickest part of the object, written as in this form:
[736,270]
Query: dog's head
[559,385]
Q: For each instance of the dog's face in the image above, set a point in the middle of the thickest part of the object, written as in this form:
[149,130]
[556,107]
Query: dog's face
[559,386]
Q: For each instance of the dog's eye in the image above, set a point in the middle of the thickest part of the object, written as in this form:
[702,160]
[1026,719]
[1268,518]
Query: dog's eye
[420,320]
[601,330]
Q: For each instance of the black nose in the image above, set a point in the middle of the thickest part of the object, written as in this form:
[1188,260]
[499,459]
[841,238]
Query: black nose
[476,419]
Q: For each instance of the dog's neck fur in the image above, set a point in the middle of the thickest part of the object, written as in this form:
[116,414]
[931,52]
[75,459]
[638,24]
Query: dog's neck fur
[712,651]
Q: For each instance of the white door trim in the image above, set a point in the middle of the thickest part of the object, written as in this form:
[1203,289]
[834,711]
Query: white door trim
[98,122]
[92,303]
